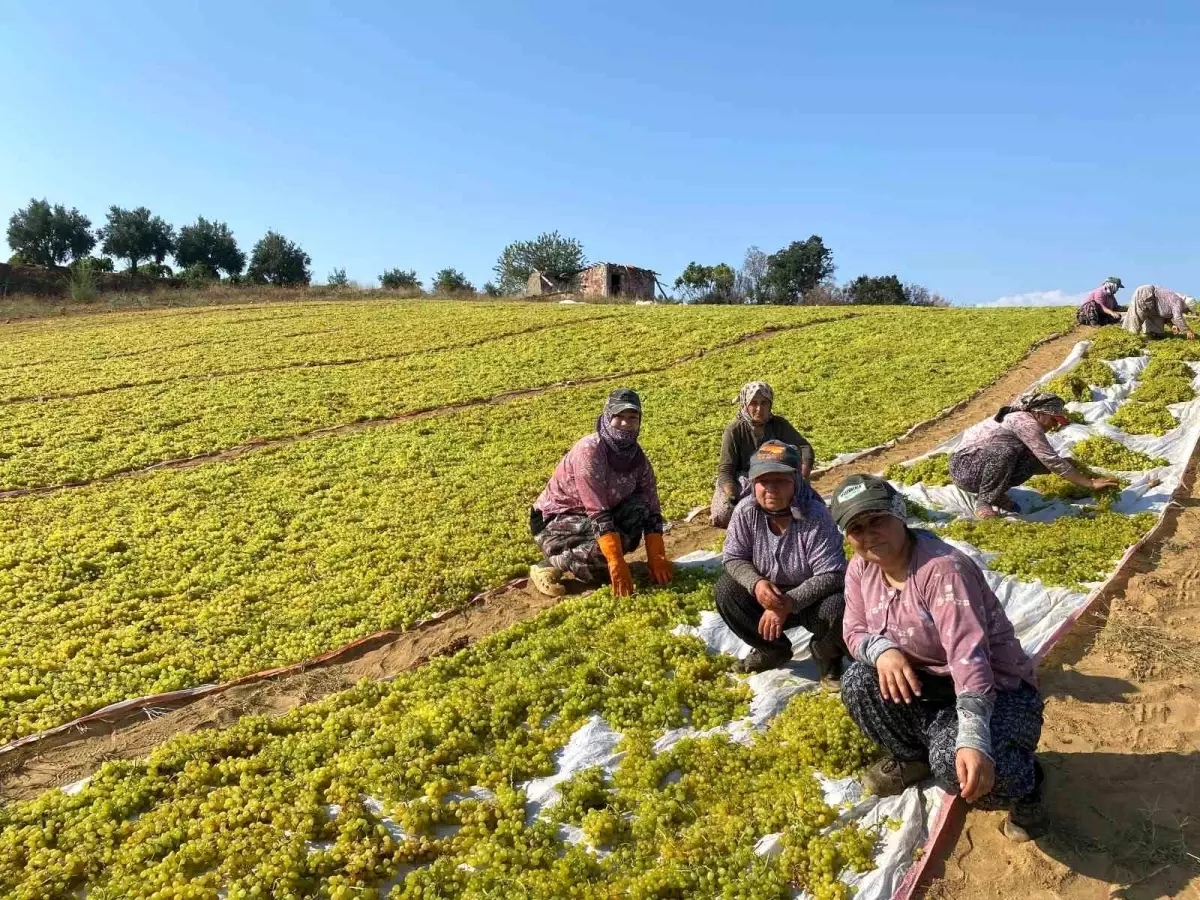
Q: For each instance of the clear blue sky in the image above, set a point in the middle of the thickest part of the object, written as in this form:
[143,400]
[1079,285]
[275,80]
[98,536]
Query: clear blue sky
[983,149]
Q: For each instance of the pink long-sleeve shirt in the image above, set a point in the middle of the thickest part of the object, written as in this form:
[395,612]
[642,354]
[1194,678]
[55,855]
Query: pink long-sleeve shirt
[945,620]
[584,482]
[1025,426]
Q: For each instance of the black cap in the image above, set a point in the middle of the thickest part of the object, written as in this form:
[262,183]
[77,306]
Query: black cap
[621,400]
[858,494]
[774,456]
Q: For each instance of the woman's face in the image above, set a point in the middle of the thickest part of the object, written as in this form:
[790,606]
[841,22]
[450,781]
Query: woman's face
[774,491]
[759,409]
[877,537]
[1047,421]
[627,420]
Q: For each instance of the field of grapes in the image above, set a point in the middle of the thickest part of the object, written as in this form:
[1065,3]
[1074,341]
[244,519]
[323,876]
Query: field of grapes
[326,510]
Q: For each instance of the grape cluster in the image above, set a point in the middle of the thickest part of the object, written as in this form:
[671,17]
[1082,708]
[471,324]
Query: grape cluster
[1095,373]
[933,471]
[1098,450]
[1070,386]
[377,791]
[1070,551]
[1113,342]
[1135,417]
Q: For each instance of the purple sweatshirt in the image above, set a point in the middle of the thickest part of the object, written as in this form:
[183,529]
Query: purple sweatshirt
[947,621]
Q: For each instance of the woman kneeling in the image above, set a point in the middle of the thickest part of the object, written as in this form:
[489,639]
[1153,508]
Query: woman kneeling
[784,567]
[1009,449]
[939,679]
[756,423]
[600,500]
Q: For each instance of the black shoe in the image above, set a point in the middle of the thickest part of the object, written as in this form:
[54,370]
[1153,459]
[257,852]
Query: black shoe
[1027,819]
[829,672]
[890,776]
[763,660]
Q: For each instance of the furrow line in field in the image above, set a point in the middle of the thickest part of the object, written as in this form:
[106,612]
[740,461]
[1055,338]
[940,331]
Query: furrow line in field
[255,446]
[285,367]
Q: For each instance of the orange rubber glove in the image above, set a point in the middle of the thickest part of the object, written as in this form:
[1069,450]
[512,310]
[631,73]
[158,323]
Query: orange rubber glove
[618,569]
[661,569]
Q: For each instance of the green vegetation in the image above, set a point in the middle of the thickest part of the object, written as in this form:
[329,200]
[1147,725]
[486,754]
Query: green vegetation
[1143,418]
[1106,453]
[1070,551]
[1113,342]
[295,806]
[933,471]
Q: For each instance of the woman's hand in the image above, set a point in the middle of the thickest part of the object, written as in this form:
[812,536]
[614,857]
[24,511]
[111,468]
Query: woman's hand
[770,626]
[898,680]
[976,774]
[1099,484]
[769,596]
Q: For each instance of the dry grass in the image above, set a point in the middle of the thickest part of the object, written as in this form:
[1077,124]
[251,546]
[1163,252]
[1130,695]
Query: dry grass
[30,306]
[1150,647]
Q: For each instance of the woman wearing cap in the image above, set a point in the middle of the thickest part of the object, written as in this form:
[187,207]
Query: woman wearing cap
[754,426]
[600,500]
[1100,307]
[939,679]
[784,566]
[1009,449]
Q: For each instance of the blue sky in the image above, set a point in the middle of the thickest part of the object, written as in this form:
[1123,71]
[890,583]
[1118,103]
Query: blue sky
[986,150]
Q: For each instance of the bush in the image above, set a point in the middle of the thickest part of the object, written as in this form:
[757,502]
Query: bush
[199,275]
[397,279]
[83,282]
[337,279]
[280,262]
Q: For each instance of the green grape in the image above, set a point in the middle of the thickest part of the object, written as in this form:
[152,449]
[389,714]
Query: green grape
[1163,389]
[1113,342]
[1160,367]
[1070,386]
[1143,418]
[1107,453]
[1174,348]
[932,471]
[1070,551]
[1095,373]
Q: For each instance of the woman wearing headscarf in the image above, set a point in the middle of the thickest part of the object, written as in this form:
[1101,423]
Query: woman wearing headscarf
[600,501]
[1010,448]
[939,680]
[1100,307]
[1152,307]
[755,425]
[784,567]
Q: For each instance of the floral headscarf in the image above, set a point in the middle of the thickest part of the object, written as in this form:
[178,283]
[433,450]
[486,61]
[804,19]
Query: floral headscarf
[749,391]
[1037,402]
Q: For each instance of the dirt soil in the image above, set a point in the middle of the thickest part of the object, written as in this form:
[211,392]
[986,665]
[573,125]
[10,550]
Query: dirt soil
[66,757]
[1121,747]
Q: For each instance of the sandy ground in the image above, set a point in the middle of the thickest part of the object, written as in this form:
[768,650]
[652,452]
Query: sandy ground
[67,757]
[1121,747]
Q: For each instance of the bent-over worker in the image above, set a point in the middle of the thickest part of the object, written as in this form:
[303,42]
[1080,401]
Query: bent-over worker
[1151,307]
[599,502]
[754,425]
[1010,448]
[1100,307]
[784,567]
[939,680]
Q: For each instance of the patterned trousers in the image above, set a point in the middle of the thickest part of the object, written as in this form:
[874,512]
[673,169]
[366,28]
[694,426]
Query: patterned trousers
[570,543]
[928,729]
[722,504]
[990,470]
[741,613]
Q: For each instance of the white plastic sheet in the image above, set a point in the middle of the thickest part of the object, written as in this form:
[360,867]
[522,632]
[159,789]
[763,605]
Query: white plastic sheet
[1037,612]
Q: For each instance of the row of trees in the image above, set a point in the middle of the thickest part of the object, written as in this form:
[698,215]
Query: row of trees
[800,273]
[45,235]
